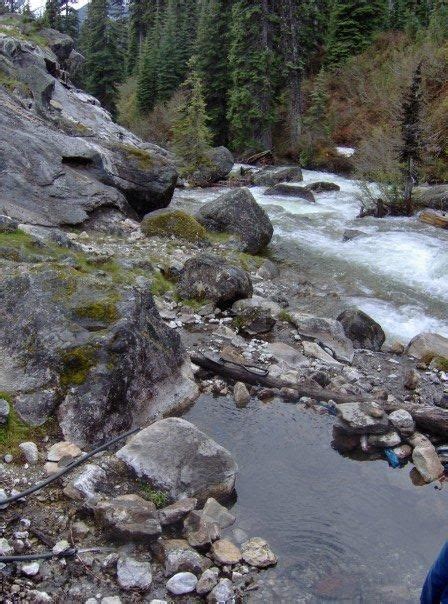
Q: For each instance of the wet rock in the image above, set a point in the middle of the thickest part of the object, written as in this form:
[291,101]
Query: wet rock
[389,440]
[256,552]
[411,379]
[218,165]
[285,190]
[207,581]
[323,187]
[402,421]
[426,346]
[238,213]
[86,483]
[178,556]
[201,530]
[176,457]
[343,439]
[327,332]
[357,418]
[129,518]
[268,270]
[8,225]
[208,277]
[215,513]
[177,511]
[224,552]
[362,330]
[63,450]
[4,412]
[350,234]
[427,462]
[223,593]
[182,583]
[269,177]
[241,394]
[29,452]
[403,451]
[133,574]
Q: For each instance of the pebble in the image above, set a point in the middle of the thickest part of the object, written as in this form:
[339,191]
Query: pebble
[132,573]
[63,449]
[29,452]
[182,583]
[31,570]
[402,420]
[39,597]
[61,546]
[5,547]
[111,600]
[207,581]
[241,394]
[223,593]
[8,458]
[4,411]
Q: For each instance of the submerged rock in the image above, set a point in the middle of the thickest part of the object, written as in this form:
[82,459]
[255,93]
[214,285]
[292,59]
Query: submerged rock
[176,457]
[257,552]
[208,277]
[323,187]
[238,213]
[362,330]
[285,190]
[269,177]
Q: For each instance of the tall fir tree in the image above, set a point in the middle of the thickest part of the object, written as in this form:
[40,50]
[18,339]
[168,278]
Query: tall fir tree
[51,15]
[172,63]
[191,135]
[212,49]
[251,109]
[103,67]
[147,82]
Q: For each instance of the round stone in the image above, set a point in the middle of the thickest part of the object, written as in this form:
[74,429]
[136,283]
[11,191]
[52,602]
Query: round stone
[182,583]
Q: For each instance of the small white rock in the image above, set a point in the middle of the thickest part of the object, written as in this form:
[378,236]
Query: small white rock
[29,452]
[31,570]
[182,583]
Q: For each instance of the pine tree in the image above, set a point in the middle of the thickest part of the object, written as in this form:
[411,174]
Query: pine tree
[352,24]
[147,85]
[191,135]
[171,64]
[251,97]
[212,49]
[438,22]
[102,68]
[411,135]
[51,14]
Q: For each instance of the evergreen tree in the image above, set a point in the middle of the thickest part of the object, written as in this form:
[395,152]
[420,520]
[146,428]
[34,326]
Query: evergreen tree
[51,14]
[102,68]
[251,110]
[352,24]
[212,49]
[438,22]
[147,85]
[191,136]
[171,64]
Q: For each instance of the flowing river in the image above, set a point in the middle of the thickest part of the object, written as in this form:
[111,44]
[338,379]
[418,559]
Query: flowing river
[344,530]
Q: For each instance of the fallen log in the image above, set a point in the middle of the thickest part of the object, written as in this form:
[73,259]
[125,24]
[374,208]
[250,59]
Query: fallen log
[256,158]
[427,418]
[257,377]
[435,218]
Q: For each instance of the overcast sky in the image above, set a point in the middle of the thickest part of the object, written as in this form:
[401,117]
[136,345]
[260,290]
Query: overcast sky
[35,4]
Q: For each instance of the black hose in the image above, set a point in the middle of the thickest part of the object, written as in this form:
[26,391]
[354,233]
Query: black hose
[69,552]
[68,468]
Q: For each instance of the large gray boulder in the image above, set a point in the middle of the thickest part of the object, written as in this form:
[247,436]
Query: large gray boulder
[62,158]
[219,163]
[362,330]
[427,346]
[176,457]
[238,213]
[76,346]
[434,196]
[268,177]
[208,277]
[327,332]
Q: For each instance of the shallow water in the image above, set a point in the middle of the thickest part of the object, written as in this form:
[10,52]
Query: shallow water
[359,527]
[397,271]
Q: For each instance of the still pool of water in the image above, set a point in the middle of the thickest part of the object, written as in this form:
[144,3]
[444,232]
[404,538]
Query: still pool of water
[359,530]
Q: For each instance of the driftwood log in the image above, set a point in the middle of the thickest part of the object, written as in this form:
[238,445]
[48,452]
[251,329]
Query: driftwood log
[239,373]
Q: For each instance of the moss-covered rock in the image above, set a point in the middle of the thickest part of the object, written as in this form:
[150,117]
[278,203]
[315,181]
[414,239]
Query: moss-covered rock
[173,223]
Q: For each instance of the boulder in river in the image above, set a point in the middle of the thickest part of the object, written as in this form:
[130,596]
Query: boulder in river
[217,165]
[426,346]
[208,277]
[362,330]
[268,177]
[238,213]
[176,457]
[323,187]
[285,190]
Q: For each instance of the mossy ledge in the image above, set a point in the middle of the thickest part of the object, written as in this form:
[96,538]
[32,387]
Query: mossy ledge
[104,311]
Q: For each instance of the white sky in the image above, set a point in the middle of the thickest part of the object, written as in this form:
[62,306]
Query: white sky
[36,4]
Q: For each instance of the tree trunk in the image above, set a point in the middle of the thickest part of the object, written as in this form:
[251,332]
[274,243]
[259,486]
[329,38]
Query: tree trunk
[408,186]
[291,54]
[265,135]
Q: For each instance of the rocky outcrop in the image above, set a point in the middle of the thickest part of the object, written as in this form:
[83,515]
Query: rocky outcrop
[217,165]
[285,190]
[435,197]
[62,158]
[362,330]
[238,213]
[176,457]
[426,346]
[268,177]
[99,357]
[208,277]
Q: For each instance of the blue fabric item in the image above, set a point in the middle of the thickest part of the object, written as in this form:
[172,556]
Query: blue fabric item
[392,458]
[435,588]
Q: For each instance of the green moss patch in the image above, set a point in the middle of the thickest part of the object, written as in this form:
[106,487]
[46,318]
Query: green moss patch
[143,157]
[158,498]
[76,364]
[160,285]
[104,311]
[175,223]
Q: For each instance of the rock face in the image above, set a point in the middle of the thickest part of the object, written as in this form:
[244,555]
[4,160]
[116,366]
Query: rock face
[362,330]
[99,357]
[218,165]
[208,277]
[62,158]
[269,177]
[176,457]
[291,191]
[435,197]
[427,346]
[238,213]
